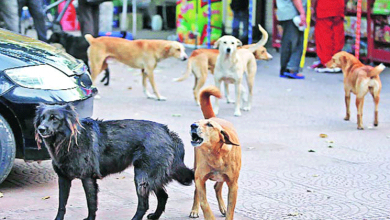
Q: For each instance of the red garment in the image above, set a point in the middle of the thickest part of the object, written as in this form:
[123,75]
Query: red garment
[329,37]
[329,8]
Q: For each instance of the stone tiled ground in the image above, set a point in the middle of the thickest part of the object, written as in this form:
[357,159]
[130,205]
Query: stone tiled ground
[280,178]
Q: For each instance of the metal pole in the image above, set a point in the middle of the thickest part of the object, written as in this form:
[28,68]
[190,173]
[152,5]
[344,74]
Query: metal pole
[124,16]
[209,25]
[358,23]
[250,22]
[134,17]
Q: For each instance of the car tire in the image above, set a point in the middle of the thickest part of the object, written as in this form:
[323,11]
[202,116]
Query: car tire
[7,149]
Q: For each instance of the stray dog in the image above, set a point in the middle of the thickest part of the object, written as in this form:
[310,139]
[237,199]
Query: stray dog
[217,157]
[141,54]
[202,60]
[90,149]
[230,67]
[77,47]
[358,79]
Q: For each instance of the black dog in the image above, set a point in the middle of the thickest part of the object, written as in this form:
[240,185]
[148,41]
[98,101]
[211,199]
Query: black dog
[92,149]
[77,47]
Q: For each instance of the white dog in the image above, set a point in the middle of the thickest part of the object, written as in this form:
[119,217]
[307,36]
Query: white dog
[230,67]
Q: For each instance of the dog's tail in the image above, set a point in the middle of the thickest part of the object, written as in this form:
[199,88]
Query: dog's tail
[184,175]
[376,70]
[186,74]
[89,38]
[180,172]
[205,103]
[262,42]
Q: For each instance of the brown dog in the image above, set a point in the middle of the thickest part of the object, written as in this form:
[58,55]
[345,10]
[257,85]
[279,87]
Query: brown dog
[358,79]
[141,54]
[217,157]
[202,60]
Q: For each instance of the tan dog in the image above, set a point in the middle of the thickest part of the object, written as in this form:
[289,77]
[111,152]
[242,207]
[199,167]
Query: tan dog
[230,67]
[202,60]
[141,54]
[358,79]
[217,157]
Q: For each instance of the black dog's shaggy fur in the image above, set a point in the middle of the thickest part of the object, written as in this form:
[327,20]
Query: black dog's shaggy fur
[77,47]
[92,149]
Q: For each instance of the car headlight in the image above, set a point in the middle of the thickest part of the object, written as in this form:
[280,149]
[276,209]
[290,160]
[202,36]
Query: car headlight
[40,77]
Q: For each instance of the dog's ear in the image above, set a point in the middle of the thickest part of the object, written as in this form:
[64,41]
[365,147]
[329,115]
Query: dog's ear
[37,122]
[239,43]
[216,44]
[226,138]
[343,59]
[69,107]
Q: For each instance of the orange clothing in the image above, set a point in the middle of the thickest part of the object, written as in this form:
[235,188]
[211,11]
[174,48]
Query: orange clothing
[330,8]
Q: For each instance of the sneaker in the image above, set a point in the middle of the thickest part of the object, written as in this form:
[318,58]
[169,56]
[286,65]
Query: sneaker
[316,64]
[327,70]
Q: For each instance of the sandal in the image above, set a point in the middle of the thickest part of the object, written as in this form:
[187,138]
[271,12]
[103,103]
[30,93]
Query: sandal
[294,75]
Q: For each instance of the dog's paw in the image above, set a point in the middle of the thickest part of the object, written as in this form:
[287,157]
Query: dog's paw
[161,98]
[360,128]
[229,100]
[223,210]
[247,108]
[153,216]
[237,113]
[194,214]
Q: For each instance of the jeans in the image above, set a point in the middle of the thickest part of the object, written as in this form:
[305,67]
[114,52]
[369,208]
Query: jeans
[238,17]
[9,12]
[35,7]
[291,47]
[88,16]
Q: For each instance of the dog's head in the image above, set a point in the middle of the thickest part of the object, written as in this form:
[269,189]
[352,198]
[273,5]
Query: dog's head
[58,37]
[177,50]
[208,132]
[339,60]
[56,122]
[262,54]
[227,44]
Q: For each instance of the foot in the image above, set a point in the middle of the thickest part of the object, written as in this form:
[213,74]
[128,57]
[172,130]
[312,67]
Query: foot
[161,98]
[194,214]
[237,113]
[229,100]
[316,64]
[327,70]
[153,216]
[247,108]
[294,75]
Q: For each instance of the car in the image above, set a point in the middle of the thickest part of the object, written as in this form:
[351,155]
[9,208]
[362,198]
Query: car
[34,72]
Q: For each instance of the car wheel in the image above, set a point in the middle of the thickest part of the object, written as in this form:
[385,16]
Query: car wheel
[7,149]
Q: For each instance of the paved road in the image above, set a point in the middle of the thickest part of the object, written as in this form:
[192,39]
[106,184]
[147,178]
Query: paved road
[346,177]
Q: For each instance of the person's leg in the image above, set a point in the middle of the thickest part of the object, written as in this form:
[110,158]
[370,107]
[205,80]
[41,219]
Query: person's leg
[324,39]
[236,24]
[296,49]
[245,21]
[339,36]
[86,15]
[35,7]
[285,48]
[9,11]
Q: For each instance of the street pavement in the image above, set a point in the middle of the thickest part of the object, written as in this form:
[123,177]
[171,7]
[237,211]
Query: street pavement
[288,170]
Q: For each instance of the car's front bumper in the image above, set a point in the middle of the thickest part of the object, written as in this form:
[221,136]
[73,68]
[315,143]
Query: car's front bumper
[23,103]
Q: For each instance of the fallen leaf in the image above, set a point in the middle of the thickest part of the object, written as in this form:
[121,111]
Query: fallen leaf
[1,195]
[121,177]
[311,151]
[315,175]
[330,146]
[176,115]
[130,88]
[308,190]
[331,142]
[46,197]
[323,135]
[293,214]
